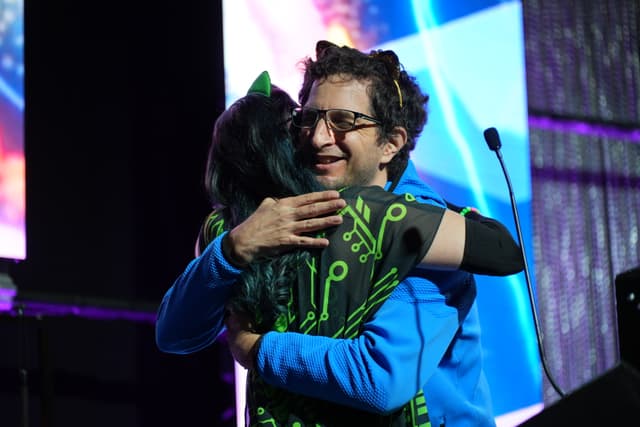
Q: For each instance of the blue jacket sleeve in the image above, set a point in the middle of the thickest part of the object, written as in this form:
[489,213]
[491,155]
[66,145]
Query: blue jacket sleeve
[380,370]
[191,314]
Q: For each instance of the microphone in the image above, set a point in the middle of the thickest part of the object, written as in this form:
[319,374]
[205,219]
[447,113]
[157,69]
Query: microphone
[493,141]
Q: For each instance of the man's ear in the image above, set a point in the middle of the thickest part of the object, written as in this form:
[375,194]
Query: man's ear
[394,144]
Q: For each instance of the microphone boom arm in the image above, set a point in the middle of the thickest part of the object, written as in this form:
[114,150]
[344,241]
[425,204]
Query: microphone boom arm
[493,140]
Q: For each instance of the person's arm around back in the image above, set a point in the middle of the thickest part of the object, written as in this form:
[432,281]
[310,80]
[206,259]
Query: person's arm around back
[191,314]
[476,244]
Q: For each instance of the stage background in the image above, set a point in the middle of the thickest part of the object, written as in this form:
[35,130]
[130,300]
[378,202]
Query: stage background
[119,105]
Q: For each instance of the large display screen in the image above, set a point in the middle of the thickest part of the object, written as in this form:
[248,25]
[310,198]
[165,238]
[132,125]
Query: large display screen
[469,57]
[12,162]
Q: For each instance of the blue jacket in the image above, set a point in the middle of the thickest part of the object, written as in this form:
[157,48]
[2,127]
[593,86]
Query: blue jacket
[426,335]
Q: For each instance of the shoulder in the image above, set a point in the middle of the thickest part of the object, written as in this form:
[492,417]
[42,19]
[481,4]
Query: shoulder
[373,192]
[212,226]
[411,182]
[379,196]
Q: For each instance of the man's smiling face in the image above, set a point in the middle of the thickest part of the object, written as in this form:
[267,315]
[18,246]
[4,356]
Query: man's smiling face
[337,158]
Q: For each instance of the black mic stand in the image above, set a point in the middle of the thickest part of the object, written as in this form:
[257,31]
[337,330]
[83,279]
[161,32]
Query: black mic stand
[8,291]
[24,376]
[493,140]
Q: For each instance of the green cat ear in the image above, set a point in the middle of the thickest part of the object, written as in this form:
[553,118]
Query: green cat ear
[261,85]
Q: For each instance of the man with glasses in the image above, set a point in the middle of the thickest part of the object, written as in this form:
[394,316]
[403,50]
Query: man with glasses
[360,117]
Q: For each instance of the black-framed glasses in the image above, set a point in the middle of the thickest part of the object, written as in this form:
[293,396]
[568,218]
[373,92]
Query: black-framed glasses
[337,119]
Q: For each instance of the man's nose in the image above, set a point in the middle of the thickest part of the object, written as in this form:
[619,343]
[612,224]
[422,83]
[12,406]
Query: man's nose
[322,135]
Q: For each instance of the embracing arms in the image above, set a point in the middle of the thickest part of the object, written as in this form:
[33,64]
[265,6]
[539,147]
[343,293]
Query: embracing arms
[191,314]
[476,244]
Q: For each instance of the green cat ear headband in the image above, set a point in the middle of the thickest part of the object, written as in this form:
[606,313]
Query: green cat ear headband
[261,85]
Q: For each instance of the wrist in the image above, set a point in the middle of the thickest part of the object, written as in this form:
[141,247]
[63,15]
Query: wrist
[230,254]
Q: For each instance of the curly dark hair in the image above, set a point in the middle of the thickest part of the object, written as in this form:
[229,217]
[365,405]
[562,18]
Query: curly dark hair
[403,105]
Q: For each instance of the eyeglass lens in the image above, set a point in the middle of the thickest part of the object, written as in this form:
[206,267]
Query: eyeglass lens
[341,120]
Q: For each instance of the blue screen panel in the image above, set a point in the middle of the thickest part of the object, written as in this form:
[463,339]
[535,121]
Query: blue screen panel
[12,162]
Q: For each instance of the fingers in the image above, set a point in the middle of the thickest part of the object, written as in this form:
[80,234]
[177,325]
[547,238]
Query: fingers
[294,241]
[309,213]
[279,225]
[311,205]
[316,224]
[318,196]
[319,208]
[321,198]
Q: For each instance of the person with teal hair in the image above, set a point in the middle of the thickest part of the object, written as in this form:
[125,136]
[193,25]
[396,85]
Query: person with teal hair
[329,283]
